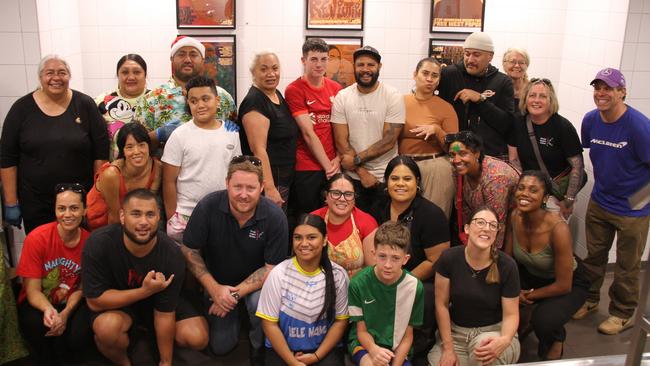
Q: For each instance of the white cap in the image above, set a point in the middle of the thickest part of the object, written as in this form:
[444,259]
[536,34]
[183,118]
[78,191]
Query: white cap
[479,41]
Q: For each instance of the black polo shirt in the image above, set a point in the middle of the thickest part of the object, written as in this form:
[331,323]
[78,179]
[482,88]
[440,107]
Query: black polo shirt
[426,222]
[232,253]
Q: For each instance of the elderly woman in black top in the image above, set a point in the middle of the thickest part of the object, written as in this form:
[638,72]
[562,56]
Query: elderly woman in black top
[52,135]
[269,130]
[556,140]
[429,231]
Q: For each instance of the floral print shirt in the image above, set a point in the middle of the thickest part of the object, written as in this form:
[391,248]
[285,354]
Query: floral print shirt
[164,108]
[495,189]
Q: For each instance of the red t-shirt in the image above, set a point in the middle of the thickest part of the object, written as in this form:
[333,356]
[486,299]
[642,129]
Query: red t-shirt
[337,233]
[46,257]
[303,98]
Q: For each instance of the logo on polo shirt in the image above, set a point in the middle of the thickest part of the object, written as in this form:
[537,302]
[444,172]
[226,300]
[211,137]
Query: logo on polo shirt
[618,145]
[255,234]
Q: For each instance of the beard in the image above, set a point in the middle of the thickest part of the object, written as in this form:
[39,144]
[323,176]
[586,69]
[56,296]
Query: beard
[134,238]
[374,76]
[186,77]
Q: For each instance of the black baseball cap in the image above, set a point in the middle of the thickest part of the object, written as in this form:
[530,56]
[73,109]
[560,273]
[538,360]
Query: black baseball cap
[367,50]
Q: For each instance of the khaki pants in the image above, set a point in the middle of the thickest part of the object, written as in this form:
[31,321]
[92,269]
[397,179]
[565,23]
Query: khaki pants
[631,233]
[438,185]
[467,339]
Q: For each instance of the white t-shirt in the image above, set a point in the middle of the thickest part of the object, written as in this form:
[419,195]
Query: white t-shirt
[365,115]
[203,156]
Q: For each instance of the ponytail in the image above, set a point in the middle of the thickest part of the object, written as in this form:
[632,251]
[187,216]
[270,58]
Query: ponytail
[330,290]
[326,265]
[493,273]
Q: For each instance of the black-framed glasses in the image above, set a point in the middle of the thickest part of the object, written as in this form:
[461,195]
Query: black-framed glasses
[74,187]
[492,225]
[462,136]
[335,194]
[541,80]
[249,158]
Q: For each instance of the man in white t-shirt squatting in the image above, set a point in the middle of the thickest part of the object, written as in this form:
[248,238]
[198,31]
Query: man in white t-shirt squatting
[196,155]
[367,117]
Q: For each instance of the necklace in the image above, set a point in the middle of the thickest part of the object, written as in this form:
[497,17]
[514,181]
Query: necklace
[474,273]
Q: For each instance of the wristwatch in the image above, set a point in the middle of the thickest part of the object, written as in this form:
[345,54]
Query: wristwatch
[357,160]
[483,98]
[235,295]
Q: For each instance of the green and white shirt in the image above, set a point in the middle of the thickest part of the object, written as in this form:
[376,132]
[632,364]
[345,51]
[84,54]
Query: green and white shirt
[386,310]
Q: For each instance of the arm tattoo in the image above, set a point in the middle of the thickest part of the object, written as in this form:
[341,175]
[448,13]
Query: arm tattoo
[195,263]
[256,277]
[386,143]
[575,176]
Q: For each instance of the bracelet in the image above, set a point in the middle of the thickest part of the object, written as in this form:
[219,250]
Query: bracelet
[315,354]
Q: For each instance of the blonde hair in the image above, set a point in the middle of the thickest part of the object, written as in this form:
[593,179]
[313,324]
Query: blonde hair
[553,103]
[520,51]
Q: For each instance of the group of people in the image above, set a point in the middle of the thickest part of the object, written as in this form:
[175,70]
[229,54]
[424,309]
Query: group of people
[431,225]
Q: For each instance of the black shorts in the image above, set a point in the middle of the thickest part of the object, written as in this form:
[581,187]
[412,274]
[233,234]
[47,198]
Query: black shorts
[141,313]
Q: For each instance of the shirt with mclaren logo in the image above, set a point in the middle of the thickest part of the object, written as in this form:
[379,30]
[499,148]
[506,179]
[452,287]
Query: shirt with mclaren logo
[386,310]
[303,98]
[620,156]
[230,252]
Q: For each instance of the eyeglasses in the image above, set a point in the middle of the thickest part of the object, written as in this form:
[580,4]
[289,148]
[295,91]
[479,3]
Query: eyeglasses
[517,62]
[74,187]
[493,225]
[541,80]
[462,136]
[335,194]
[243,158]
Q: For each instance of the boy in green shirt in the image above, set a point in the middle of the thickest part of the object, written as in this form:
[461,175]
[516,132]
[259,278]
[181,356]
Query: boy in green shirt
[386,302]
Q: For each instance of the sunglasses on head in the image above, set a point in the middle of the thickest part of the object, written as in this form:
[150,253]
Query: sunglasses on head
[541,80]
[243,158]
[74,187]
[462,136]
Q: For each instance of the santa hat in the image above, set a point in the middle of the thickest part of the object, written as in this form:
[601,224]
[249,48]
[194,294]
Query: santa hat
[183,41]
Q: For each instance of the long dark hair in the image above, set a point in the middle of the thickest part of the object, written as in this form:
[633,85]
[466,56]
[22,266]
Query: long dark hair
[326,265]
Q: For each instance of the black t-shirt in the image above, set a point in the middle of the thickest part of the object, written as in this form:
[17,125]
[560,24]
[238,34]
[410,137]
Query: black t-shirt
[283,130]
[426,221]
[232,253]
[50,150]
[474,303]
[557,140]
[106,264]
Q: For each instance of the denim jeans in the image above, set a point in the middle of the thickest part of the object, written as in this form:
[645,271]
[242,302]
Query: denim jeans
[224,332]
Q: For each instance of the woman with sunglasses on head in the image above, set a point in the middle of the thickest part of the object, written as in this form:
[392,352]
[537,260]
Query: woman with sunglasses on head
[304,302]
[52,314]
[556,144]
[477,296]
[428,120]
[429,229]
[482,180]
[134,168]
[552,281]
[350,231]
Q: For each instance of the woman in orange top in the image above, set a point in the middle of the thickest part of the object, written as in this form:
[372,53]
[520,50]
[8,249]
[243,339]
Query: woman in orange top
[428,120]
[134,168]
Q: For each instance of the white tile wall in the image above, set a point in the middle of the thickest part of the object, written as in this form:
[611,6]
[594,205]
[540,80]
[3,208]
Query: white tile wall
[569,40]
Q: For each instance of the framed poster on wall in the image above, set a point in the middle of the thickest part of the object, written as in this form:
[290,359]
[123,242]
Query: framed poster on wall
[205,14]
[220,61]
[339,66]
[463,16]
[334,14]
[446,51]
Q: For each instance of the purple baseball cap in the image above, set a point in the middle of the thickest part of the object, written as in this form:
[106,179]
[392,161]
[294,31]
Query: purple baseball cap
[612,77]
